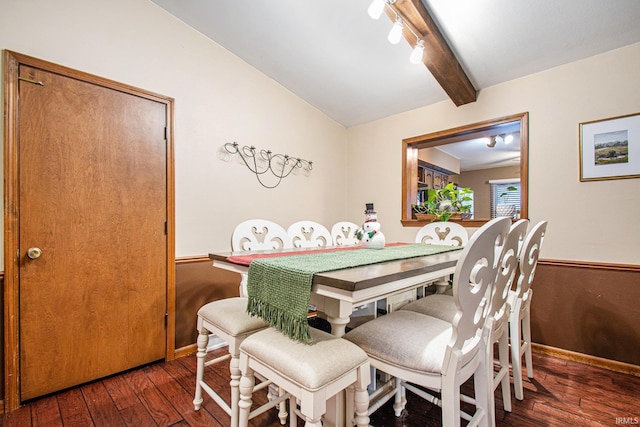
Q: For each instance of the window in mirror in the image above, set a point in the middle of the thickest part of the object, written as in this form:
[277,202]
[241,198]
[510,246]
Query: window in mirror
[505,197]
[471,156]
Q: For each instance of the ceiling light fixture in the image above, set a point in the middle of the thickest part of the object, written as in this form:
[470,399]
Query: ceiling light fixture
[493,140]
[395,35]
[376,8]
[417,53]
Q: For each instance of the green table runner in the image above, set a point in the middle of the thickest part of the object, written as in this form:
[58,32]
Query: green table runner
[279,288]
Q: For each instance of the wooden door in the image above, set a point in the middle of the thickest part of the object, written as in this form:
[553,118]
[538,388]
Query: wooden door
[92,199]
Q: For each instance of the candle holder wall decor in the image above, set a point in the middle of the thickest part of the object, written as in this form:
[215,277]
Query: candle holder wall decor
[263,161]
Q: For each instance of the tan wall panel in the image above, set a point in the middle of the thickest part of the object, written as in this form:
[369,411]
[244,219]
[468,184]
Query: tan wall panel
[197,283]
[588,309]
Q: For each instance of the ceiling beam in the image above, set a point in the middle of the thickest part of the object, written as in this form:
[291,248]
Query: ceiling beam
[438,56]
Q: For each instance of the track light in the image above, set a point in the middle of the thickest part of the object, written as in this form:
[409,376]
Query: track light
[395,35]
[502,138]
[417,53]
[376,8]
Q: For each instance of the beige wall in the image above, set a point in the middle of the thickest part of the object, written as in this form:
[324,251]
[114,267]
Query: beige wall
[218,99]
[439,158]
[588,221]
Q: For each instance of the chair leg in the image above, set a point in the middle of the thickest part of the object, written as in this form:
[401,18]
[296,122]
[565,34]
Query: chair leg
[203,342]
[516,357]
[400,392]
[282,412]
[491,409]
[503,357]
[361,398]
[247,382]
[451,402]
[350,401]
[526,336]
[293,417]
[482,381]
[234,367]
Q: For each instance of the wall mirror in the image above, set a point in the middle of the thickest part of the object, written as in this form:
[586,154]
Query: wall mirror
[487,157]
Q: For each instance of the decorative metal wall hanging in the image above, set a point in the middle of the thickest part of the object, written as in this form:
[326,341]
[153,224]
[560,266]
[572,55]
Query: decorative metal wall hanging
[263,161]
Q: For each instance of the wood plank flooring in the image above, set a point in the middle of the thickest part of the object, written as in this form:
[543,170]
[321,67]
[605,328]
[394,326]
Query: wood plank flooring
[563,393]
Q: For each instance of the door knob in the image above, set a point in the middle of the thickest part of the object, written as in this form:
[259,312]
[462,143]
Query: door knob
[34,253]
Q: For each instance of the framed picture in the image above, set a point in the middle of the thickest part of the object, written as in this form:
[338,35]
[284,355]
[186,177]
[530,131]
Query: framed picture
[610,148]
[437,180]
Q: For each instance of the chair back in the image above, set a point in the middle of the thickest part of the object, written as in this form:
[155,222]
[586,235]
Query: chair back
[259,234]
[529,260]
[344,233]
[443,233]
[507,271]
[473,280]
[309,234]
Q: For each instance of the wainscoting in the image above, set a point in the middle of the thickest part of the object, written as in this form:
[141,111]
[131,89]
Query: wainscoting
[581,311]
[588,308]
[197,283]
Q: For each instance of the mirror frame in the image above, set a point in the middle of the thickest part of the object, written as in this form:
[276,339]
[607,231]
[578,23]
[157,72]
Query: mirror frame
[411,145]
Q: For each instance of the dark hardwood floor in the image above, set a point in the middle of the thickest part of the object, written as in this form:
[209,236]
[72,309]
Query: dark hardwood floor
[563,393]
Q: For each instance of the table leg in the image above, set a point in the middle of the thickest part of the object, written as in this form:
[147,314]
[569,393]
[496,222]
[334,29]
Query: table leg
[243,285]
[338,325]
[338,312]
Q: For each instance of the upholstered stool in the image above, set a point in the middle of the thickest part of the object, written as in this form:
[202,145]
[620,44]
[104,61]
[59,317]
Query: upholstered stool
[228,319]
[311,373]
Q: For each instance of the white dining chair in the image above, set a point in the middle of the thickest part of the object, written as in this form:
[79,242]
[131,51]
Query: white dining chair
[520,302]
[442,233]
[426,354]
[310,373]
[259,234]
[344,233]
[497,329]
[309,234]
[497,326]
[228,320]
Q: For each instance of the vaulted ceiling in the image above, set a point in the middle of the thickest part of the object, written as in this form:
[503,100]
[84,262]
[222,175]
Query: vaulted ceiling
[337,58]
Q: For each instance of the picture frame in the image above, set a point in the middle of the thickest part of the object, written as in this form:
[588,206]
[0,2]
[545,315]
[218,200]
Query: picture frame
[437,181]
[610,148]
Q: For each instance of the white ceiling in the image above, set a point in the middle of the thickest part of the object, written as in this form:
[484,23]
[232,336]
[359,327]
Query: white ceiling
[334,56]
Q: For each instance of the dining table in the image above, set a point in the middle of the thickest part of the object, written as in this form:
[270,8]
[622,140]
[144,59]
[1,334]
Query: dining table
[336,293]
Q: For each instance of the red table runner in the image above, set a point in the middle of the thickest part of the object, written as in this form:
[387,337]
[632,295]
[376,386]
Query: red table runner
[246,259]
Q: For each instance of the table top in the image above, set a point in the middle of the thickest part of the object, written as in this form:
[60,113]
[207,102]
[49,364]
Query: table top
[366,276]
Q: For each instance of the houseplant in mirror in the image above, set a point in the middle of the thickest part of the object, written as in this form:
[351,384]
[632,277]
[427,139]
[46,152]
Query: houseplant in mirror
[445,203]
[504,208]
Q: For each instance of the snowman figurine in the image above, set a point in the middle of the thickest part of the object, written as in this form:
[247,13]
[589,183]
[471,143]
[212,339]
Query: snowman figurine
[369,234]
